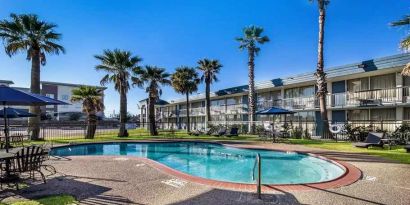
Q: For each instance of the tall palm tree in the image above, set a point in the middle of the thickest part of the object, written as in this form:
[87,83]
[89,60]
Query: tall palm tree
[320,73]
[185,80]
[405,43]
[27,33]
[153,78]
[91,98]
[209,69]
[252,36]
[118,64]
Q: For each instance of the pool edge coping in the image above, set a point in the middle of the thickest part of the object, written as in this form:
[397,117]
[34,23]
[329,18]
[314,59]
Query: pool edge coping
[352,174]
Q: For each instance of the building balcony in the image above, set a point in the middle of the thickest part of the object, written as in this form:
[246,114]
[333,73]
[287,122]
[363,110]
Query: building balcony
[199,111]
[233,109]
[390,96]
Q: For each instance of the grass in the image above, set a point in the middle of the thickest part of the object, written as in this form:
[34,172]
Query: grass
[63,199]
[397,153]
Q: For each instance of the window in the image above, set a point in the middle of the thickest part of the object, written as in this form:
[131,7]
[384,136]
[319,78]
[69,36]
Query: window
[359,84]
[233,101]
[50,96]
[383,81]
[406,113]
[383,114]
[357,115]
[64,97]
[217,102]
[307,91]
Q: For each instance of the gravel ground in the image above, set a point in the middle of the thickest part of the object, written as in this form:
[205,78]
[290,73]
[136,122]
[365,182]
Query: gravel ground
[126,180]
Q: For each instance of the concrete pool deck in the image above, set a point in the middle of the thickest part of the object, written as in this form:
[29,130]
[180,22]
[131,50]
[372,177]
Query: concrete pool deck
[129,180]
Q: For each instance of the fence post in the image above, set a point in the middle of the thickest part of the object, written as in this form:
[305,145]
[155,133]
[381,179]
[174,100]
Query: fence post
[259,188]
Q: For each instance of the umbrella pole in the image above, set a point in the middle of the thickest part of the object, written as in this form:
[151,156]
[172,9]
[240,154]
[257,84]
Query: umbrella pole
[5,127]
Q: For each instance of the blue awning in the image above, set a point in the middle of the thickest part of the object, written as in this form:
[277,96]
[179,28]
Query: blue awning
[274,111]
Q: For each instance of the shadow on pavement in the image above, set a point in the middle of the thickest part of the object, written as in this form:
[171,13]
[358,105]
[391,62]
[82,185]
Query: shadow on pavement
[219,196]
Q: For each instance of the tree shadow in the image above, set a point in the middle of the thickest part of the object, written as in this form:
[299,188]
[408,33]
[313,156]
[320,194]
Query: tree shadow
[220,196]
[85,192]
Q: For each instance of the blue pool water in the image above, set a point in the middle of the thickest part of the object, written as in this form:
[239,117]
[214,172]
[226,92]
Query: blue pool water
[218,162]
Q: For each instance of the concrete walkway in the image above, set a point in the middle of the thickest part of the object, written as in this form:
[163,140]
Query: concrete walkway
[127,180]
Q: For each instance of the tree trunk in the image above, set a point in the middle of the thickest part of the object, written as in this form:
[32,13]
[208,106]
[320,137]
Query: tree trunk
[34,122]
[320,74]
[123,112]
[151,107]
[91,126]
[188,127]
[208,100]
[251,95]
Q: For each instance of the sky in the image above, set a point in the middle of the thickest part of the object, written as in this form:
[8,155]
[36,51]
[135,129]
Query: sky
[171,33]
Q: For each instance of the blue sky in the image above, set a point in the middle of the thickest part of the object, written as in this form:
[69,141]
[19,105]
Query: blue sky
[170,33]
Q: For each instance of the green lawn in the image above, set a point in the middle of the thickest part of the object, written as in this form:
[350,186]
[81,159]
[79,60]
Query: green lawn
[63,199]
[397,153]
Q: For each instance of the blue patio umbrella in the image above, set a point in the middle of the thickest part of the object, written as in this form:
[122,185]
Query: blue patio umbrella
[275,111]
[12,96]
[15,113]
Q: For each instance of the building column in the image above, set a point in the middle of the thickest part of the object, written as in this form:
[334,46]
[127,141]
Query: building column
[329,100]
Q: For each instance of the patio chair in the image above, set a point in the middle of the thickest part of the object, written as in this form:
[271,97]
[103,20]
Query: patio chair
[221,132]
[28,160]
[233,132]
[372,139]
[209,131]
[17,140]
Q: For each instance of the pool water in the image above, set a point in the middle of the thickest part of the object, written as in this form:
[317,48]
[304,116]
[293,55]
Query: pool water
[218,162]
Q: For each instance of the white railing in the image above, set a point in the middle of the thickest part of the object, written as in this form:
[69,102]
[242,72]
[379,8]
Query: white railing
[198,111]
[370,97]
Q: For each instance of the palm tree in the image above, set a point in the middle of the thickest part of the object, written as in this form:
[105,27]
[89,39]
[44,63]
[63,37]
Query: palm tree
[118,64]
[252,36]
[91,98]
[320,73]
[153,78]
[185,80]
[405,43]
[27,33]
[209,69]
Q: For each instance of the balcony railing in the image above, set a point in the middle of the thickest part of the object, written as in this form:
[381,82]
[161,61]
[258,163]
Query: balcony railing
[390,96]
[370,97]
[192,111]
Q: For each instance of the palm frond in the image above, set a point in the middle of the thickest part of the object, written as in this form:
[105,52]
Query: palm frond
[406,70]
[402,22]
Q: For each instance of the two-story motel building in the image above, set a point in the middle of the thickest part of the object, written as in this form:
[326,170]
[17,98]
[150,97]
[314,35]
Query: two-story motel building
[370,90]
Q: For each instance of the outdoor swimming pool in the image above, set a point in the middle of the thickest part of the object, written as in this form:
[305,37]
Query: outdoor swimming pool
[218,162]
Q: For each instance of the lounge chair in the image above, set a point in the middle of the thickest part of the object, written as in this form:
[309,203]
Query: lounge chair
[221,132]
[233,132]
[209,131]
[407,147]
[372,139]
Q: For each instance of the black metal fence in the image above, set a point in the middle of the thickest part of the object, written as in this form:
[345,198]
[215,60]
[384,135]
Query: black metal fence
[349,131]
